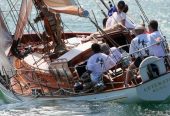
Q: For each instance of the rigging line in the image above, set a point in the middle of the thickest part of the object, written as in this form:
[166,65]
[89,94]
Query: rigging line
[17,14]
[3,18]
[34,30]
[104,33]
[141,9]
[35,62]
[130,18]
[113,3]
[142,19]
[22,21]
[164,43]
[105,15]
[104,4]
[38,81]
[38,33]
[38,28]
[28,22]
[36,23]
[78,3]
[11,10]
[95,19]
[66,26]
[12,13]
[143,12]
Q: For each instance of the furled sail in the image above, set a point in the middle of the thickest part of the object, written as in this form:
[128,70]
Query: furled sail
[24,13]
[65,6]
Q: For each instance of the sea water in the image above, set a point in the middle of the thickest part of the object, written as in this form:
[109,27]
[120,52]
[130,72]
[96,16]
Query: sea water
[154,9]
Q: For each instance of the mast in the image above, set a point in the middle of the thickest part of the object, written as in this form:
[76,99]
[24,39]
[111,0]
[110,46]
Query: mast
[52,24]
[49,13]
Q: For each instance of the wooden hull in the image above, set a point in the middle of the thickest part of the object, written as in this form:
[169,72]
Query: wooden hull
[33,71]
[37,76]
[53,85]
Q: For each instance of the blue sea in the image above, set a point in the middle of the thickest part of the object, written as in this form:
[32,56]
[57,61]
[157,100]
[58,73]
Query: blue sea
[154,9]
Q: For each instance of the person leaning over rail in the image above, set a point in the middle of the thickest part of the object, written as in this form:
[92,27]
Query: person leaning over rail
[140,41]
[98,63]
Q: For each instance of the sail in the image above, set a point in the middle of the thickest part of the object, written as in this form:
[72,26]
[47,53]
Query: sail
[25,11]
[65,6]
[6,40]
[5,43]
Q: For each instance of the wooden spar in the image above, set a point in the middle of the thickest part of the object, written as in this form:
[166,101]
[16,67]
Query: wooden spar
[64,6]
[68,10]
[59,3]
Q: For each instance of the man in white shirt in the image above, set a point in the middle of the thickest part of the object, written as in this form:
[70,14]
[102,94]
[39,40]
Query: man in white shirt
[98,63]
[155,37]
[140,41]
[118,17]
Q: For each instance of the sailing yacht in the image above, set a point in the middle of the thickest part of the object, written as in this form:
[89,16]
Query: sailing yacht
[47,65]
